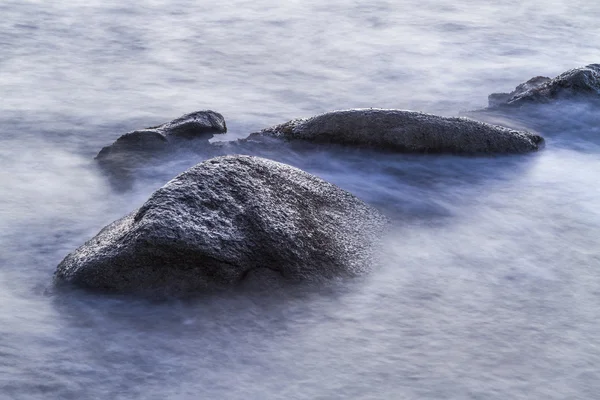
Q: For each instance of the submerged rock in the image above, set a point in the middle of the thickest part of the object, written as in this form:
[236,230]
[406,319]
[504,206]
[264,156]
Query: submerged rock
[575,83]
[200,125]
[223,220]
[405,131]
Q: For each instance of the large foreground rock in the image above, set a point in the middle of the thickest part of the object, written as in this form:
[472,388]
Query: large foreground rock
[200,125]
[405,131]
[577,83]
[225,219]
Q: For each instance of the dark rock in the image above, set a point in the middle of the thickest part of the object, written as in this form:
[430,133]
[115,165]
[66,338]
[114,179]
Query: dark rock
[144,140]
[200,125]
[496,99]
[576,83]
[224,220]
[404,131]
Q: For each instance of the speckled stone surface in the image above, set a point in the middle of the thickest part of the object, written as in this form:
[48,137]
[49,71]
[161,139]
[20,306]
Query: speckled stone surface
[222,220]
[405,131]
[575,83]
[197,125]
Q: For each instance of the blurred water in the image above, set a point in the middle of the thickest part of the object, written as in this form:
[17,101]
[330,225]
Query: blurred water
[489,283]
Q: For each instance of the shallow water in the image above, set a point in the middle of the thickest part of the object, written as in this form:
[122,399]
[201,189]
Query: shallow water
[489,283]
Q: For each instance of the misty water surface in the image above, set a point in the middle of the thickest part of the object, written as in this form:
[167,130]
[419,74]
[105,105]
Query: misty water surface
[488,285]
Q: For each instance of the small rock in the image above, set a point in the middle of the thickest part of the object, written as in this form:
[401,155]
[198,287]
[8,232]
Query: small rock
[496,99]
[200,125]
[572,84]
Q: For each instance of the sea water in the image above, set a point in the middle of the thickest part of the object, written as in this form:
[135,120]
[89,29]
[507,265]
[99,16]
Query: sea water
[488,285]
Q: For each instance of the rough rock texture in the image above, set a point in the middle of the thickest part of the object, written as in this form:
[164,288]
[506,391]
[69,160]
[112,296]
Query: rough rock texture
[198,125]
[405,131]
[578,82]
[223,220]
[496,99]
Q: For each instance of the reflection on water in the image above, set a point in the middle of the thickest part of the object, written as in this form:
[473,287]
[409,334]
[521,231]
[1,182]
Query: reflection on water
[488,281]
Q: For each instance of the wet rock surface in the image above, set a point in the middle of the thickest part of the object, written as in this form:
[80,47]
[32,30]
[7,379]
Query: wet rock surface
[200,125]
[576,83]
[226,219]
[496,99]
[404,131]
